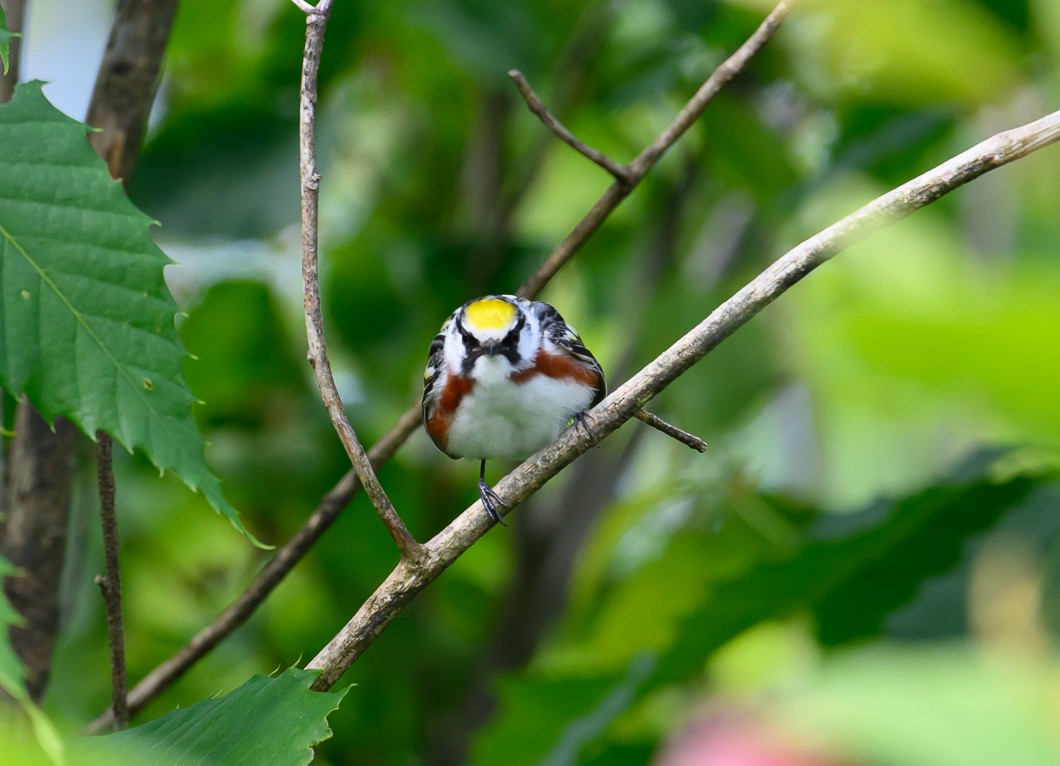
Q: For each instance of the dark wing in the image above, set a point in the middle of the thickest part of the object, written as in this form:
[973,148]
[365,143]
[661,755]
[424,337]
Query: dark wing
[431,375]
[563,336]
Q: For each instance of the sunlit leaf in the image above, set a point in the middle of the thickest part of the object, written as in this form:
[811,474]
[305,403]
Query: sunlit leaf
[966,709]
[908,52]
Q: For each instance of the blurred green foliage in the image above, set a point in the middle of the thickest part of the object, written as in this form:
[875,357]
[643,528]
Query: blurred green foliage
[868,549]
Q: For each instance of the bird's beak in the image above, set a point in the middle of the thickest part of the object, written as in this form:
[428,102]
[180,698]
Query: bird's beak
[491,347]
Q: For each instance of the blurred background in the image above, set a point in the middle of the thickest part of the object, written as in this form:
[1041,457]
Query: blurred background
[863,567]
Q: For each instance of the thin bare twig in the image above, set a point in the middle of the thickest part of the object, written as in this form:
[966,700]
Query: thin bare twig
[402,585]
[333,503]
[110,584]
[660,425]
[621,173]
[318,350]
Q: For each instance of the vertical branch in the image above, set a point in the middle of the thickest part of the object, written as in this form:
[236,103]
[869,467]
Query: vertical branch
[37,501]
[316,22]
[110,583]
[127,80]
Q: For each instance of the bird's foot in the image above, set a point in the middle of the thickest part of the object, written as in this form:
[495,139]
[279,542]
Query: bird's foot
[490,501]
[581,420]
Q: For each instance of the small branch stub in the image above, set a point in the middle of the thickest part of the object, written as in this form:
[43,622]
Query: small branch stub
[660,425]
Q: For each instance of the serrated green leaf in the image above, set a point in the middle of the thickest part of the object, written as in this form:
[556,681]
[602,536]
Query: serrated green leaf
[86,319]
[265,722]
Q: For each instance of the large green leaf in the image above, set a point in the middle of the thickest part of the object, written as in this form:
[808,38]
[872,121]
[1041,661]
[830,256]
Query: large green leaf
[86,319]
[265,722]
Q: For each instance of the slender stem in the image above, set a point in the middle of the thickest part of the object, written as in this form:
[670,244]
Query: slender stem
[110,584]
[318,350]
[620,172]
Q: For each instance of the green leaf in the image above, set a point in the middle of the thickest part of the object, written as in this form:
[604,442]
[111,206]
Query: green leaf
[6,37]
[265,722]
[576,710]
[86,326]
[46,745]
[12,673]
[838,571]
[926,705]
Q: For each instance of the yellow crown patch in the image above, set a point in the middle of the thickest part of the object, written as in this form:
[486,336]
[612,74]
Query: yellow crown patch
[490,314]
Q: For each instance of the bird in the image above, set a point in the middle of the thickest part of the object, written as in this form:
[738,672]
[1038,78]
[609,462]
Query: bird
[505,375]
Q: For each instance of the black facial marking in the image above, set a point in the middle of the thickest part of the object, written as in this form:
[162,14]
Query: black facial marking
[508,347]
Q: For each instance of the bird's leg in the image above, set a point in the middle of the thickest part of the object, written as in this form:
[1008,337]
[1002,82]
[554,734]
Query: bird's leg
[490,499]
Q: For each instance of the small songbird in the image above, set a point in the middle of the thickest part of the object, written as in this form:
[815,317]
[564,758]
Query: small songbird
[504,377]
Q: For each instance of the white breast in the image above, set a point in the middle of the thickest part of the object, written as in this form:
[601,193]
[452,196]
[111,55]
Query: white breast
[509,421]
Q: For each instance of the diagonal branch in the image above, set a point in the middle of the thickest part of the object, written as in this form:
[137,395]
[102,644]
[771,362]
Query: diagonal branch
[316,21]
[332,504]
[402,585]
